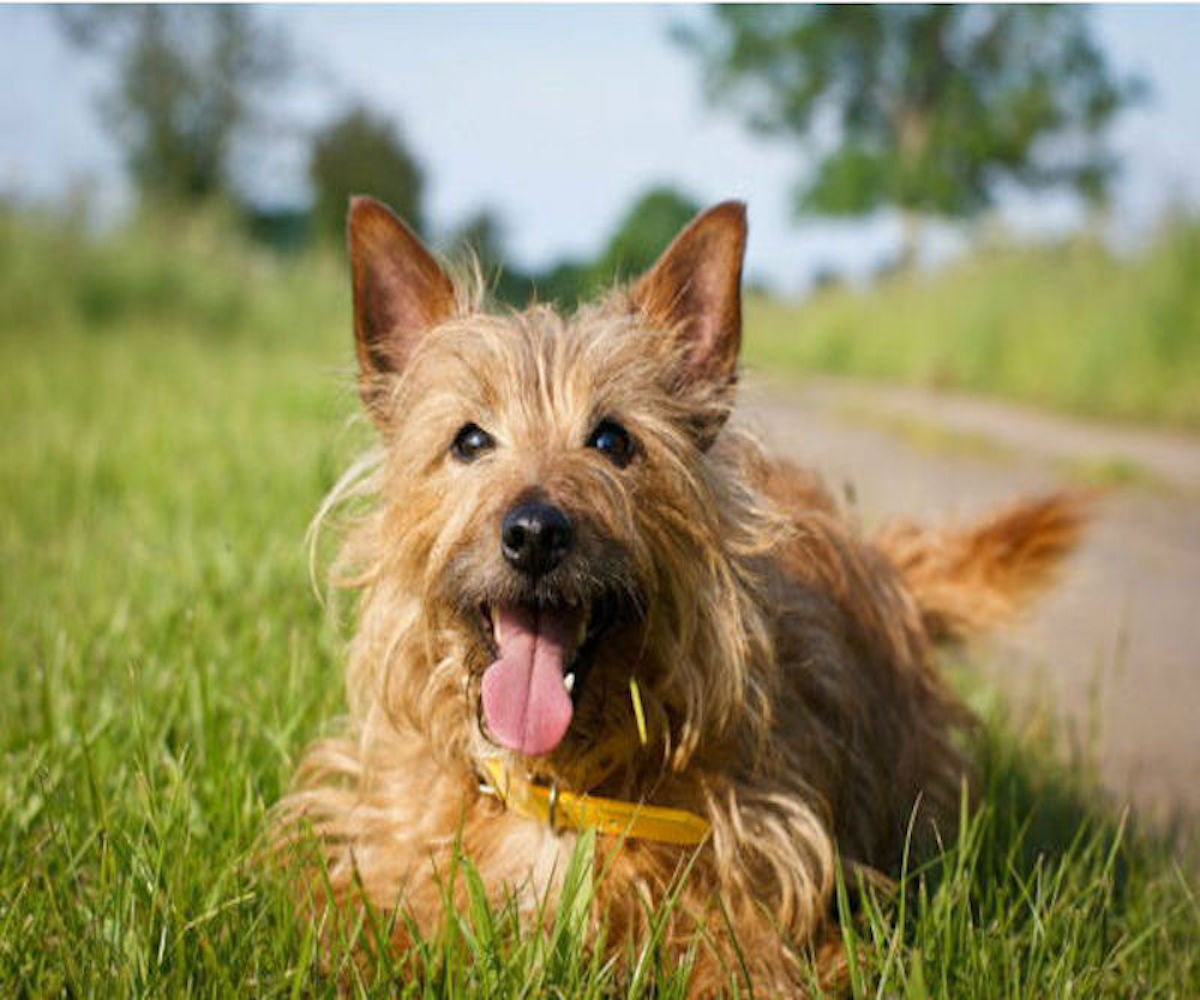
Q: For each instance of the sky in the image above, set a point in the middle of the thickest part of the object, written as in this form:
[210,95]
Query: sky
[558,117]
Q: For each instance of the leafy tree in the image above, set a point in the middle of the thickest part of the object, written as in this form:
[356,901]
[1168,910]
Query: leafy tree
[651,222]
[645,231]
[483,235]
[363,153]
[566,283]
[189,80]
[924,107]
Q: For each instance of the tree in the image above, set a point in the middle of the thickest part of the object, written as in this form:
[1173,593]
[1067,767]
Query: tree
[188,84]
[482,235]
[928,108]
[645,231]
[362,153]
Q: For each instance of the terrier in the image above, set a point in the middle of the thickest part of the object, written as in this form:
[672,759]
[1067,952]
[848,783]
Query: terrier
[587,601]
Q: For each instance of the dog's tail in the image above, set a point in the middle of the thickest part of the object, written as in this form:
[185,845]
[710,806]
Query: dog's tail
[966,579]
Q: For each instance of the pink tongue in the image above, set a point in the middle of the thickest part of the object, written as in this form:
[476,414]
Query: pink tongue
[526,706]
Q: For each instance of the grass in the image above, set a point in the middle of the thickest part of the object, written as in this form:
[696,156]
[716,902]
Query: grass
[1066,327]
[173,412]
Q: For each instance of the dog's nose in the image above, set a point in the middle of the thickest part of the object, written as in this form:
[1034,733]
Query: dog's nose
[535,537]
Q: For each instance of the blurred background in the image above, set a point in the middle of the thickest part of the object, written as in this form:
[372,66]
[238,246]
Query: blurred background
[859,138]
[974,268]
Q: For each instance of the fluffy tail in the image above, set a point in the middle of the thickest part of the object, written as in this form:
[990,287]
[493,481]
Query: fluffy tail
[971,578]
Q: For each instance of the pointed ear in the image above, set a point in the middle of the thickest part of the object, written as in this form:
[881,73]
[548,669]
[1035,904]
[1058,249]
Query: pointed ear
[694,290]
[400,292]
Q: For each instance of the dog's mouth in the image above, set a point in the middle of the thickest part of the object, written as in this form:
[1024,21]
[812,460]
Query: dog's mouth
[542,653]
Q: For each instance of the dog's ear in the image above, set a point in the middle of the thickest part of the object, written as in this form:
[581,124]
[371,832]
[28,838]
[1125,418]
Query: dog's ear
[694,290]
[400,292]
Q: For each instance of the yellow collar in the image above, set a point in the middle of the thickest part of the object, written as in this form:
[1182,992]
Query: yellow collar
[612,816]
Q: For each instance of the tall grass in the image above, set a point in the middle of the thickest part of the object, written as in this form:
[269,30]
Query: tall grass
[173,410]
[1067,327]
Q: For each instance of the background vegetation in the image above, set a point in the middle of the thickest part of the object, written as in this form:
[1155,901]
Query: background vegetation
[926,108]
[1065,326]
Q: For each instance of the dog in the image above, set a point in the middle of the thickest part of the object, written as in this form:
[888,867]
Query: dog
[590,601]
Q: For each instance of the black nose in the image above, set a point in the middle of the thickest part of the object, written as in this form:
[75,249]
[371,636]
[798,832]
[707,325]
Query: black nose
[535,537]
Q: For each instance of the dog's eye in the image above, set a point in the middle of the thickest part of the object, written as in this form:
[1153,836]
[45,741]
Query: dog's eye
[613,441]
[470,442]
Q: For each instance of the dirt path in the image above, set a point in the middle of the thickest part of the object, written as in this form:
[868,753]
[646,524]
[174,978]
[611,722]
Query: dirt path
[1114,648]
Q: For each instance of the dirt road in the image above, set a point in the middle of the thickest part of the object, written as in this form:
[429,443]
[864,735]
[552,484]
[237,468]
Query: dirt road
[1114,649]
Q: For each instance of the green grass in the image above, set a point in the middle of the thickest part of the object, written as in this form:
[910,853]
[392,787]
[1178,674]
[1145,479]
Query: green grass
[1065,327]
[173,410]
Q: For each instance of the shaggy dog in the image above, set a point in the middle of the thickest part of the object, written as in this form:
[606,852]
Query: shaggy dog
[589,602]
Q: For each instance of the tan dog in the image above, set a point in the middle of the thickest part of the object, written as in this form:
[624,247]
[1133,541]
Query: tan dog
[587,601]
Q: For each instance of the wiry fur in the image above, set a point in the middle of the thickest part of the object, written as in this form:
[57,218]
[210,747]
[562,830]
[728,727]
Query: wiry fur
[980,576]
[784,662]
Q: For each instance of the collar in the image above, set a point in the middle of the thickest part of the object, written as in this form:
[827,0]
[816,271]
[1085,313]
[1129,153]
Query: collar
[634,820]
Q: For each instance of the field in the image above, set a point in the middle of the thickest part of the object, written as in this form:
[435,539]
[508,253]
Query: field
[175,404]
[1066,327]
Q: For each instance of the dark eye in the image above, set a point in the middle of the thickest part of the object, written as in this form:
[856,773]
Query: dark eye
[613,441]
[470,442]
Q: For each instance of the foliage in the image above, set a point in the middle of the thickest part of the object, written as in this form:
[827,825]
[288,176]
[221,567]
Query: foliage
[163,660]
[1066,326]
[484,234]
[361,152]
[647,227]
[189,85]
[481,238]
[928,108]
[645,231]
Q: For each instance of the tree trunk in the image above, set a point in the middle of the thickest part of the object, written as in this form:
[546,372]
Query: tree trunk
[913,138]
[912,224]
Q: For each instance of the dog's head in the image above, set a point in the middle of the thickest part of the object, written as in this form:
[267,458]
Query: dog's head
[555,516]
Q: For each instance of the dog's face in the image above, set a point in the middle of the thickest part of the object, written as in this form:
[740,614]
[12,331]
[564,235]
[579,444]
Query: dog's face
[546,490]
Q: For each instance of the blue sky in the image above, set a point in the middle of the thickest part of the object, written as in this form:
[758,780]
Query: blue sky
[558,116]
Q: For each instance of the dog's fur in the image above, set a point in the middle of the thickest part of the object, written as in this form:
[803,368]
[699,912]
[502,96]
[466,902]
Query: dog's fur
[783,659]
